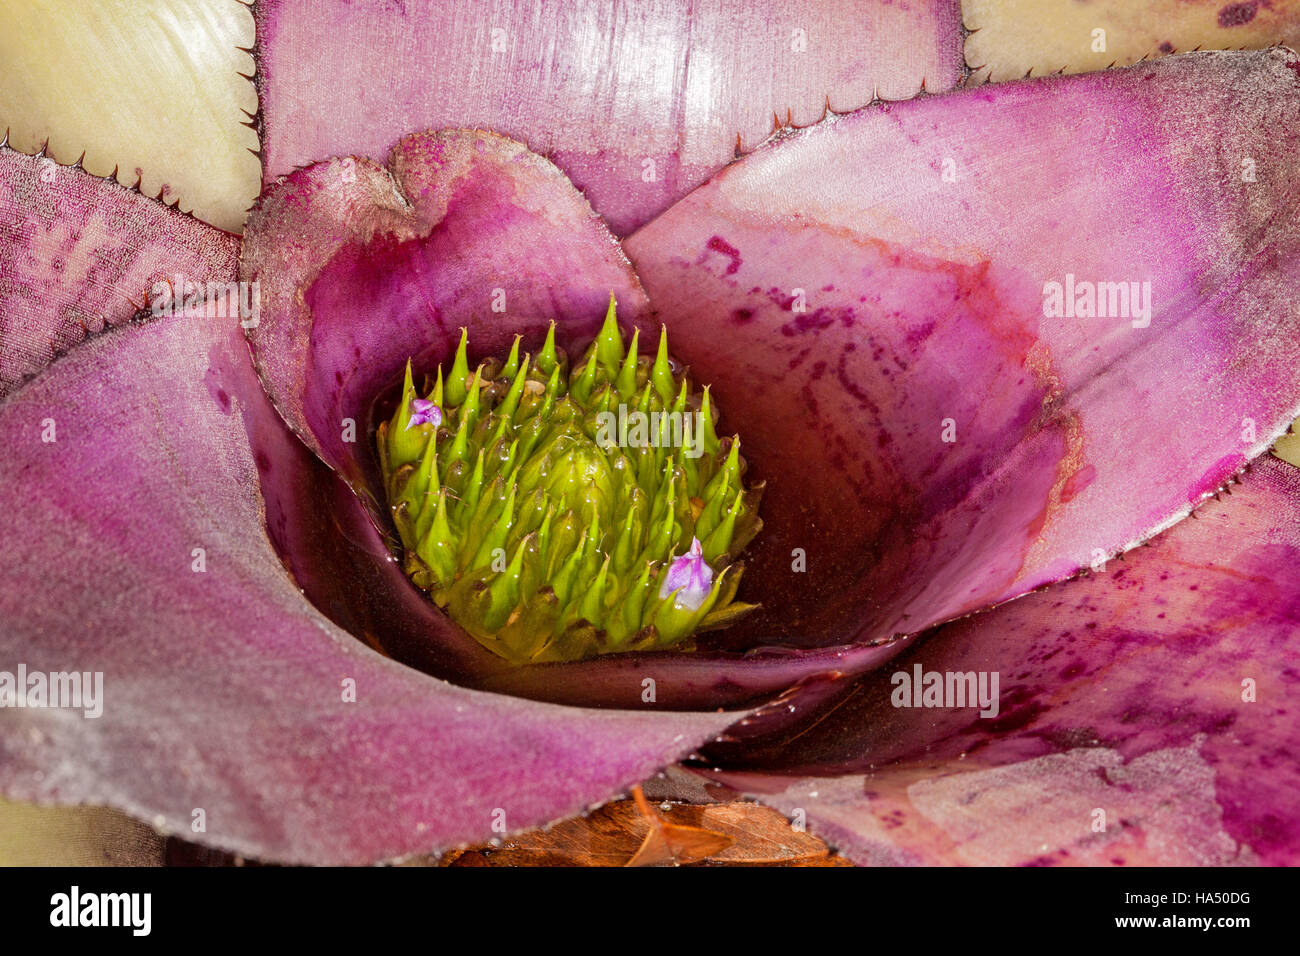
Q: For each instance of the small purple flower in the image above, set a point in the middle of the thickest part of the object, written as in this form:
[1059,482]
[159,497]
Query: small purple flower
[691,576]
[424,412]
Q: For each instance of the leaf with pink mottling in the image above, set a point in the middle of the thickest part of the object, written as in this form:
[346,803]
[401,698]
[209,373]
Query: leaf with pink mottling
[78,253]
[1143,715]
[875,294]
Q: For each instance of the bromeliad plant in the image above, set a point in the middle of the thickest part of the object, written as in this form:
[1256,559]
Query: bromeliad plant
[542,533]
[864,298]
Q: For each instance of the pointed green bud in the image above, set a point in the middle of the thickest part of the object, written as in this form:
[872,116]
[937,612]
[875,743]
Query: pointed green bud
[707,424]
[626,382]
[504,590]
[475,526]
[473,490]
[495,539]
[547,359]
[663,441]
[552,390]
[660,505]
[566,537]
[634,608]
[663,538]
[628,547]
[531,513]
[511,368]
[591,606]
[438,546]
[719,539]
[510,462]
[422,479]
[436,395]
[729,475]
[460,444]
[424,515]
[544,530]
[679,404]
[469,409]
[584,383]
[692,455]
[645,404]
[405,439]
[499,434]
[591,553]
[565,581]
[609,343]
[662,371]
[510,404]
[458,379]
[714,508]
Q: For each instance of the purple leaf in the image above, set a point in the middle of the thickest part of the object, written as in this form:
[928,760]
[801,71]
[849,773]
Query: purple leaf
[1159,691]
[134,547]
[362,267]
[636,102]
[932,442]
[78,253]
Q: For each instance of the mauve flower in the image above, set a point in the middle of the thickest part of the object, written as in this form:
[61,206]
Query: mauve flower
[689,578]
[866,298]
[424,413]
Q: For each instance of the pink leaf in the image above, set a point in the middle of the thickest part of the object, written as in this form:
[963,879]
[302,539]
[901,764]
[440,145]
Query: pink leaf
[930,438]
[1158,692]
[637,102]
[134,547]
[78,253]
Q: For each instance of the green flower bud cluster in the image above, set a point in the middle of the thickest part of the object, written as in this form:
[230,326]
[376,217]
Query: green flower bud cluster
[545,530]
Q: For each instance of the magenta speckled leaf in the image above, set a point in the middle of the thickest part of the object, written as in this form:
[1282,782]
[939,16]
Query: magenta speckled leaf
[135,547]
[636,102]
[1160,691]
[79,253]
[931,438]
[362,267]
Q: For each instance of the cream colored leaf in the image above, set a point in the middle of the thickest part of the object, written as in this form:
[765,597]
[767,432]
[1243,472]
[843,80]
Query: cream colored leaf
[1288,446]
[74,836]
[151,87]
[1014,37]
